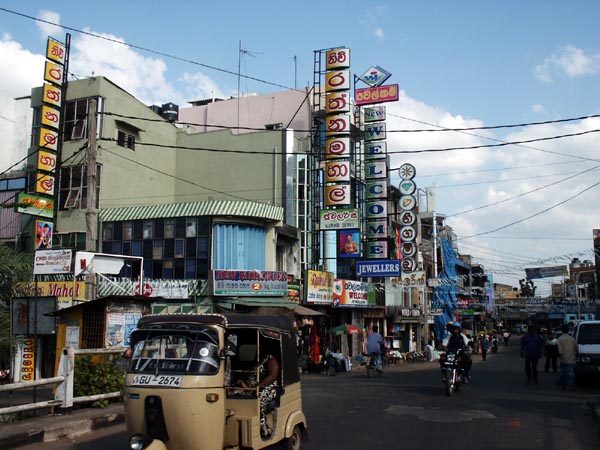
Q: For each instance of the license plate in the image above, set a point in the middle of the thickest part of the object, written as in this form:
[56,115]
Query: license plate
[160,380]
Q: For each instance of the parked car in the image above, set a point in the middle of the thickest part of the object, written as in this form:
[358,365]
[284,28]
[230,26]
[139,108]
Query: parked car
[587,335]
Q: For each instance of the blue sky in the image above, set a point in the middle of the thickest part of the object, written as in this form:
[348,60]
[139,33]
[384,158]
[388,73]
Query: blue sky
[458,64]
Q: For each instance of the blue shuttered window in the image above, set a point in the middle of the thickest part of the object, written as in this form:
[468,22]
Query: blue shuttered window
[238,247]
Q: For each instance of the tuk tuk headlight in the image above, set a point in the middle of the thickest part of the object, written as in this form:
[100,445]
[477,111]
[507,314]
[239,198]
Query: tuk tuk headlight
[139,441]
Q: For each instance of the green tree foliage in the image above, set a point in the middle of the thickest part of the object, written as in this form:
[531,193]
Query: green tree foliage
[15,269]
[97,375]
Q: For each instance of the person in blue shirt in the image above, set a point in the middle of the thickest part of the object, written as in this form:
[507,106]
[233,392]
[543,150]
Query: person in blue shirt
[532,348]
[374,344]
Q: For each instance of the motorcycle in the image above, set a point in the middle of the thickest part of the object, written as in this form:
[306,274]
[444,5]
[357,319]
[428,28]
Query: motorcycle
[453,373]
[332,363]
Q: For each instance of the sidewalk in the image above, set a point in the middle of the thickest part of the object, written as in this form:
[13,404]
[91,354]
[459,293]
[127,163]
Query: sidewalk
[50,428]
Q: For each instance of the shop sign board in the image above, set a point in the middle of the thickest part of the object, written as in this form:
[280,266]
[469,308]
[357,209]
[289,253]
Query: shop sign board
[48,262]
[378,268]
[319,287]
[340,219]
[249,283]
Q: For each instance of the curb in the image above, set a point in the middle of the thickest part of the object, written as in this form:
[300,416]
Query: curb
[54,427]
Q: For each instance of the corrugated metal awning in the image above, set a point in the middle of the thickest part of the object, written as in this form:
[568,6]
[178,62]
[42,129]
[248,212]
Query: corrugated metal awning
[209,208]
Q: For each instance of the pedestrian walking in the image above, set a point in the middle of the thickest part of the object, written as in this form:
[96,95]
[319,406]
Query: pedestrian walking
[506,336]
[484,347]
[567,353]
[532,347]
[494,344]
[551,350]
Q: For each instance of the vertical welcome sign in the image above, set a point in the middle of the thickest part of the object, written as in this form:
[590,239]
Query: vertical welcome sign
[52,101]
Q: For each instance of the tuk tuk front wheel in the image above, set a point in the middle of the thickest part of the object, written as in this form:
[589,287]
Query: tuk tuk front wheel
[294,441]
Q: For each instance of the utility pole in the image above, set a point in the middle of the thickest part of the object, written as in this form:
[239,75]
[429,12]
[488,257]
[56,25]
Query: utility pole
[91,213]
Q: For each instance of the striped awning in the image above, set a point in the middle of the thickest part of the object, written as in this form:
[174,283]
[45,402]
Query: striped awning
[209,208]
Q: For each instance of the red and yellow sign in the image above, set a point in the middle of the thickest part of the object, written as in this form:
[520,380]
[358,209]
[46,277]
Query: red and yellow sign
[381,94]
[55,51]
[27,369]
[44,184]
[48,139]
[46,161]
[52,95]
[50,117]
[53,73]
[337,58]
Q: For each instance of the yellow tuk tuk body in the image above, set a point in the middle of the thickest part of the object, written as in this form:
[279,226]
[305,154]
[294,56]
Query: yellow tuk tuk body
[181,392]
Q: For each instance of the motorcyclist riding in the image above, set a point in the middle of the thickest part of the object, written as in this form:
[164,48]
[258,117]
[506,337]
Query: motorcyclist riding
[456,342]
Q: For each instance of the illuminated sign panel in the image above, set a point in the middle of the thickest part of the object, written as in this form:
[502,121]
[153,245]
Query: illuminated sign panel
[48,139]
[337,195]
[338,58]
[375,76]
[53,73]
[336,171]
[46,161]
[55,51]
[340,219]
[35,205]
[50,117]
[337,102]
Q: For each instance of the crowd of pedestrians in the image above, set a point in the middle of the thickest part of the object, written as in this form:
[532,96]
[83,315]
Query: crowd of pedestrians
[560,354]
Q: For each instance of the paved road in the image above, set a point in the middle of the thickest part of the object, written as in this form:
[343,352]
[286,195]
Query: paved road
[407,408]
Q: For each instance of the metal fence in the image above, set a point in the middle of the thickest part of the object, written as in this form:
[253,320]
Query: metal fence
[63,395]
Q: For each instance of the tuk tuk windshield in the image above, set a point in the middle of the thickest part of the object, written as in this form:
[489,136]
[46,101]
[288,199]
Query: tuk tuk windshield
[175,351]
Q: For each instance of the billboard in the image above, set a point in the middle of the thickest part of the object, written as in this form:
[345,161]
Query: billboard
[546,272]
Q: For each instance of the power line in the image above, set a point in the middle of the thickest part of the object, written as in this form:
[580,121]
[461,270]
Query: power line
[145,49]
[533,215]
[521,194]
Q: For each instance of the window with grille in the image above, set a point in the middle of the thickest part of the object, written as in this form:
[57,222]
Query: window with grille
[125,139]
[73,187]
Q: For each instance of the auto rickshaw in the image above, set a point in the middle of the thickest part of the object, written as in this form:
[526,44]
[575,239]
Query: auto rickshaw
[181,392]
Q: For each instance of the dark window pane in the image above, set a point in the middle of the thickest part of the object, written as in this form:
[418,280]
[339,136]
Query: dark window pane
[180,227]
[203,226]
[147,267]
[190,268]
[106,247]
[179,248]
[148,229]
[202,248]
[127,248]
[159,228]
[202,269]
[169,248]
[117,248]
[157,269]
[179,269]
[136,248]
[148,248]
[127,231]
[118,231]
[138,229]
[190,247]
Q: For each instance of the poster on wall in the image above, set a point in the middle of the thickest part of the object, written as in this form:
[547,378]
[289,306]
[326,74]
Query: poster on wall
[349,243]
[43,234]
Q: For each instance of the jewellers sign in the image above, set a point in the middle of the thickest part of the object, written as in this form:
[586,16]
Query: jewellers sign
[378,268]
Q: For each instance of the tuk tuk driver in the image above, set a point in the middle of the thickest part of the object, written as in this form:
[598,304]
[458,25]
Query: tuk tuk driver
[268,369]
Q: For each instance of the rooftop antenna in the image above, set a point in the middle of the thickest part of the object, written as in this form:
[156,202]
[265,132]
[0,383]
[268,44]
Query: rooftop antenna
[242,51]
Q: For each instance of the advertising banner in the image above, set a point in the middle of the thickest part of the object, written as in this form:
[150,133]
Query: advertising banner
[249,283]
[48,262]
[319,287]
[25,359]
[546,272]
[43,234]
[349,293]
[349,243]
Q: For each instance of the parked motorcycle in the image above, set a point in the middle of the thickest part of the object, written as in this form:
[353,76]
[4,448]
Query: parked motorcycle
[453,373]
[332,363]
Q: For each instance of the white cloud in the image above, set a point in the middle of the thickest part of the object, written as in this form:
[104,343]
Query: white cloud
[538,109]
[379,33]
[47,29]
[570,61]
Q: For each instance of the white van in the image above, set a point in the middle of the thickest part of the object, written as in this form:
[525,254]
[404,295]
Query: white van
[587,335]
